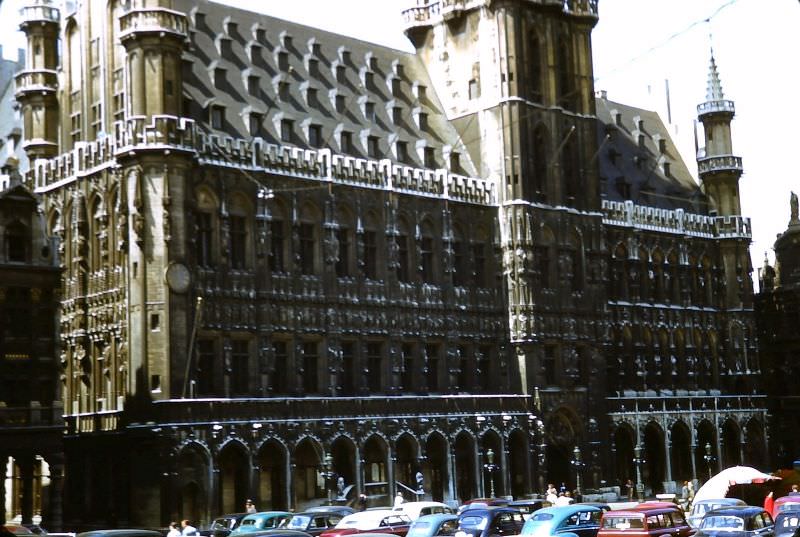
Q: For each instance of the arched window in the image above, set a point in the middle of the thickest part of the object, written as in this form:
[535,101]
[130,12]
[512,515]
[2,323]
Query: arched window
[206,230]
[403,251]
[278,237]
[240,232]
[564,75]
[569,170]
[427,254]
[371,236]
[345,263]
[17,243]
[534,67]
[309,241]
[539,151]
[546,258]
[460,263]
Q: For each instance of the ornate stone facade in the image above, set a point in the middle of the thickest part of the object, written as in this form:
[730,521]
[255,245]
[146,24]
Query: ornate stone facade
[289,255]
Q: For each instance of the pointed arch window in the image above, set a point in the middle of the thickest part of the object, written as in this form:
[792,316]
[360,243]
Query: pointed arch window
[564,75]
[569,169]
[534,67]
[403,254]
[426,252]
[540,151]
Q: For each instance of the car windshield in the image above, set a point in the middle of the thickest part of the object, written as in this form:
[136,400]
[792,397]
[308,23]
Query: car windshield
[788,506]
[623,522]
[220,524]
[724,523]
[298,522]
[419,528]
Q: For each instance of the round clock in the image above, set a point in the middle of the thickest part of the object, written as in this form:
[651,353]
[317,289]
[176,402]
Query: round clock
[178,277]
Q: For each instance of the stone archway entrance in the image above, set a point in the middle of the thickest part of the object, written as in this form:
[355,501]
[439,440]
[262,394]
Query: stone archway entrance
[272,477]
[437,477]
[562,434]
[466,485]
[654,453]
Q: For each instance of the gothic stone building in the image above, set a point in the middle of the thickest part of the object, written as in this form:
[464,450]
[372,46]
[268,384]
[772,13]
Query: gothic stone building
[290,256]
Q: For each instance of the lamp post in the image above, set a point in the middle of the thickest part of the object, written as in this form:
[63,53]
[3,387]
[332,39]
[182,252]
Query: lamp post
[639,461]
[328,474]
[578,464]
[490,467]
[709,458]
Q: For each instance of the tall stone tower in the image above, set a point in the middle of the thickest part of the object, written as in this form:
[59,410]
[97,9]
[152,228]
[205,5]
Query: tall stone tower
[516,79]
[37,85]
[719,172]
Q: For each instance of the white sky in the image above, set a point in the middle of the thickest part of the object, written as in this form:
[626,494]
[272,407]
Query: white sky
[756,45]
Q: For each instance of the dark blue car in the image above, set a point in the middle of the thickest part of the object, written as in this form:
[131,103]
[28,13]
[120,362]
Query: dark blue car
[489,522]
[737,521]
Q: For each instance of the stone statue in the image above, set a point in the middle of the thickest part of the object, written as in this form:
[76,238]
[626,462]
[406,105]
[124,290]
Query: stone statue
[793,204]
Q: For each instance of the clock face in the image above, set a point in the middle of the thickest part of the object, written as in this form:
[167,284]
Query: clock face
[178,277]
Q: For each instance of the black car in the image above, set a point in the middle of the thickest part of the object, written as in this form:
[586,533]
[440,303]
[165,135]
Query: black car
[787,523]
[223,525]
[737,521]
[313,522]
[489,522]
[527,507]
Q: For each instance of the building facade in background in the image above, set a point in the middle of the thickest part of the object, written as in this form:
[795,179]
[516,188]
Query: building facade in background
[289,255]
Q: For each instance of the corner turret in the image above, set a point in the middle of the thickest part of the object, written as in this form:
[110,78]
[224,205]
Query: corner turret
[37,84]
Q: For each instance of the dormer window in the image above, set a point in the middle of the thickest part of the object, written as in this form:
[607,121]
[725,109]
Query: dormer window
[474,90]
[430,157]
[421,92]
[455,162]
[283,61]
[662,146]
[341,74]
[287,41]
[346,142]
[316,49]
[256,120]
[225,47]
[402,151]
[16,243]
[399,70]
[231,28]
[313,67]
[397,115]
[341,103]
[283,91]
[261,35]
[217,116]
[287,128]
[422,118]
[311,97]
[396,87]
[369,111]
[372,147]
[253,83]
[369,79]
[373,63]
[346,56]
[219,77]
[315,135]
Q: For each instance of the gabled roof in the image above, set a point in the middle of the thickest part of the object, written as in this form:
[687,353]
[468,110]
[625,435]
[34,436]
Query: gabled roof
[242,61]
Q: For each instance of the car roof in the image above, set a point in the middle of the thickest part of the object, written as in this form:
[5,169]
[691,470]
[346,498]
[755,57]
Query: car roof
[722,501]
[368,517]
[736,510]
[488,509]
[121,533]
[261,514]
[276,532]
[563,511]
[437,517]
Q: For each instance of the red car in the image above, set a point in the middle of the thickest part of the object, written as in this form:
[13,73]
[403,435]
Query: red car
[373,521]
[651,519]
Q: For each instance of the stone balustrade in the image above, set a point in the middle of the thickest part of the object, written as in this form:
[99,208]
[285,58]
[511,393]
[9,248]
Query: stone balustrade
[628,214]
[36,81]
[160,21]
[720,164]
[39,14]
[433,11]
[715,107]
[685,403]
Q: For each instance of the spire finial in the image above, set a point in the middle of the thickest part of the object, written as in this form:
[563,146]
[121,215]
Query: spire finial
[714,90]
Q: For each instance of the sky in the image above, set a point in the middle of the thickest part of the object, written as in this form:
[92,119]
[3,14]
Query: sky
[637,46]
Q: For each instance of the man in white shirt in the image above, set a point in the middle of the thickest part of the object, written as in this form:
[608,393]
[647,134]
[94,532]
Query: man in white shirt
[188,529]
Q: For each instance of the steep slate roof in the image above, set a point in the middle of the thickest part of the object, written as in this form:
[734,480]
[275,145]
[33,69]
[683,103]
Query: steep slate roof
[622,159]
[246,44]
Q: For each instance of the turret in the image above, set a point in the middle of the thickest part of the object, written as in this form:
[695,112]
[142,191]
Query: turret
[719,169]
[160,34]
[37,85]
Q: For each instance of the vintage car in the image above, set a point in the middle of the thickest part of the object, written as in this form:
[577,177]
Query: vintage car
[791,501]
[120,533]
[265,520]
[489,522]
[313,522]
[653,519]
[414,510]
[223,525]
[372,521]
[736,521]
[528,507]
[578,519]
[441,524]
[787,522]
[700,508]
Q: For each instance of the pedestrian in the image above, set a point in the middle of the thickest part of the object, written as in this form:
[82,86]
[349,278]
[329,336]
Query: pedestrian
[188,529]
[398,499]
[250,507]
[362,502]
[691,494]
[174,530]
[552,494]
[629,486]
[795,490]
[769,503]
[685,494]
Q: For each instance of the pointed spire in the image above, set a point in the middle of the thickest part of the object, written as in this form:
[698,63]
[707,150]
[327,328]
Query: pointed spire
[714,89]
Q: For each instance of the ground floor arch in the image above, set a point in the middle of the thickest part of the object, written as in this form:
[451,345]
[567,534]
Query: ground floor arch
[731,444]
[272,485]
[436,466]
[466,484]
[654,470]
[681,452]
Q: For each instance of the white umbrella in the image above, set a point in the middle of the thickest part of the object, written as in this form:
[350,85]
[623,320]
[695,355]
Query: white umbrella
[717,486]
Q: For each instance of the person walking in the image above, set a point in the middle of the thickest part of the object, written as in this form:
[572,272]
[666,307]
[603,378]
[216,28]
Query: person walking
[188,529]
[174,530]
[362,502]
[399,500]
[250,507]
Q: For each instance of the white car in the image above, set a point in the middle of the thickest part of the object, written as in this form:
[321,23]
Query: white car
[414,510]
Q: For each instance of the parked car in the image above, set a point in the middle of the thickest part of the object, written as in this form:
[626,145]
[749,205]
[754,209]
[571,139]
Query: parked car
[414,510]
[313,522]
[36,528]
[279,532]
[440,524]
[578,519]
[343,510]
[700,508]
[792,501]
[121,533]
[265,520]
[222,526]
[372,520]
[787,522]
[489,522]
[744,521]
[658,519]
[17,529]
[483,502]
[528,507]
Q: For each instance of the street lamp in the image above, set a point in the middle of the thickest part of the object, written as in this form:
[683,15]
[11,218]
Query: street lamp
[490,467]
[578,464]
[709,458]
[639,461]
[328,474]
